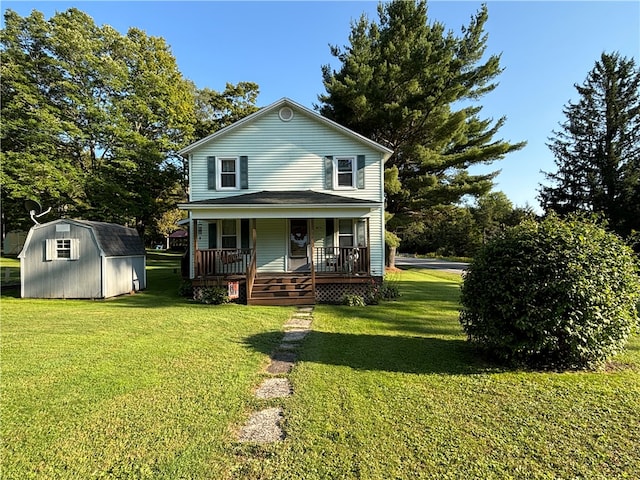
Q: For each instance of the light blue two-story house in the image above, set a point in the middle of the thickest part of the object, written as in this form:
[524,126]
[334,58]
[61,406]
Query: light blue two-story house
[286,207]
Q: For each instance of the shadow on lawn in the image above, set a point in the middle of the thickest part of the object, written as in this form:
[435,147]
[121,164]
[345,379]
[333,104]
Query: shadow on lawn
[403,354]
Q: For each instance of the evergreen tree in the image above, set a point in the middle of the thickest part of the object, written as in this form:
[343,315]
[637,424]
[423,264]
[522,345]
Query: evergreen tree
[410,85]
[597,149]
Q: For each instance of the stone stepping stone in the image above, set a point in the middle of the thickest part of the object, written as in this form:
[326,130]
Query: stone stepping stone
[298,323]
[294,335]
[305,309]
[263,427]
[281,362]
[274,388]
[287,347]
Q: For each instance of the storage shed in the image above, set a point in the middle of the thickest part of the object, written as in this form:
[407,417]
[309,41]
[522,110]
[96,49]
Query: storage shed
[81,259]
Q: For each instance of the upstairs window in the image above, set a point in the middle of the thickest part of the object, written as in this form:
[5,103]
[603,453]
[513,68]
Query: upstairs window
[228,173]
[345,171]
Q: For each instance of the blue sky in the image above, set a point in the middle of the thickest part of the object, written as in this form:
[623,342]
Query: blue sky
[546,48]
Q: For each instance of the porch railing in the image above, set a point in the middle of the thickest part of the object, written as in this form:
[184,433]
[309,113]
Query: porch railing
[349,260]
[241,261]
[222,261]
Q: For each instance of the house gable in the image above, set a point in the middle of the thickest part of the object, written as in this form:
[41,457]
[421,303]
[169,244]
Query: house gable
[267,151]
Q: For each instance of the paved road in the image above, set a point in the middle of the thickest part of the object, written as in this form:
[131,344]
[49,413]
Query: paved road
[453,267]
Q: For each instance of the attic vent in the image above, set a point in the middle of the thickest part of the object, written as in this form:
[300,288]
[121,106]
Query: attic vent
[285,114]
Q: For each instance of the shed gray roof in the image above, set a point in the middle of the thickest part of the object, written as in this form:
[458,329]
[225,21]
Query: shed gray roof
[295,197]
[115,240]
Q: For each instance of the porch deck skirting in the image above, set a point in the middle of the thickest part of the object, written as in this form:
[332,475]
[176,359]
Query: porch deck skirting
[329,288]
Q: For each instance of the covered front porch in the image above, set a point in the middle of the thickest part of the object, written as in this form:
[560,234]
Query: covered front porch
[298,274]
[287,254]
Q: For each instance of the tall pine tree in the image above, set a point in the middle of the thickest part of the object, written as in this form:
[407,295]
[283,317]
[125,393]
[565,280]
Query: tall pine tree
[597,149]
[410,85]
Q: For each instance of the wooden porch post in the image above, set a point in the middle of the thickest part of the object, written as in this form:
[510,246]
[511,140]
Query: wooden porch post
[313,266]
[253,235]
[369,246]
[194,233]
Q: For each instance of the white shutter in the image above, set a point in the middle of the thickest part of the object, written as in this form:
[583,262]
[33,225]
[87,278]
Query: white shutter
[50,249]
[75,248]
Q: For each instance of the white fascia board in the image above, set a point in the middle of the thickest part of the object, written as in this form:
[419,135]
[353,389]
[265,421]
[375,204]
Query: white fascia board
[206,212]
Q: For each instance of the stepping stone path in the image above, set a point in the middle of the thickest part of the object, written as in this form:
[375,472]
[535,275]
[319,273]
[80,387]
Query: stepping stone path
[265,426]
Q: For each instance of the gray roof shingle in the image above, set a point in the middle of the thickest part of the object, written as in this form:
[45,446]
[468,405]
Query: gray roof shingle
[116,240]
[295,197]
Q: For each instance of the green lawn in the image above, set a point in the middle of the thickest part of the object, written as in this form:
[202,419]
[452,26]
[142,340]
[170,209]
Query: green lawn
[152,386]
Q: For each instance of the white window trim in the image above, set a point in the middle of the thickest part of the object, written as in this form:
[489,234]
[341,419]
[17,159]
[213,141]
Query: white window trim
[52,249]
[237,235]
[357,224]
[353,234]
[220,173]
[354,172]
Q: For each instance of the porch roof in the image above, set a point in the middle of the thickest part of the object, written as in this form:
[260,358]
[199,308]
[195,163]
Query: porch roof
[274,204]
[285,198]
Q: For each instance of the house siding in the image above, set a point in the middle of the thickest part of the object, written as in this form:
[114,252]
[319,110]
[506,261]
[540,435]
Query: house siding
[376,242]
[271,244]
[319,232]
[285,156]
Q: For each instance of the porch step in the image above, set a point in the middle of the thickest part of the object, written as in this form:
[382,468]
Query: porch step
[282,290]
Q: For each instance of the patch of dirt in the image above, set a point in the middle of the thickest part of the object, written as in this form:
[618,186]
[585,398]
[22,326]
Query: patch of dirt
[614,367]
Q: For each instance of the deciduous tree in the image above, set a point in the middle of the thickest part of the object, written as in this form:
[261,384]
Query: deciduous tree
[216,110]
[91,119]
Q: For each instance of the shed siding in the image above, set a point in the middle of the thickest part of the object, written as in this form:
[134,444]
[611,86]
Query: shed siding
[285,156]
[271,244]
[61,278]
[123,275]
[87,275]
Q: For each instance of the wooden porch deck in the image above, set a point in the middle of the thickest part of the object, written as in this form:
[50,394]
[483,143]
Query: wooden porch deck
[329,266]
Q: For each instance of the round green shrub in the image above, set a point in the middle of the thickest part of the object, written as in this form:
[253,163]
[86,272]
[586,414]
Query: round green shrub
[215,295]
[555,294]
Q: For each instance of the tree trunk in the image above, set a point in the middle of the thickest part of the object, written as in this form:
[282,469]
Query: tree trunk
[390,257]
